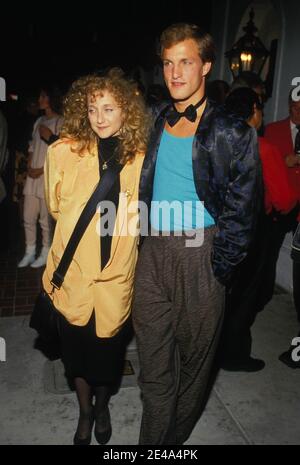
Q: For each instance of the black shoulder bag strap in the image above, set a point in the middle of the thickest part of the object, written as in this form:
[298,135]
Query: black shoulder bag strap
[105,184]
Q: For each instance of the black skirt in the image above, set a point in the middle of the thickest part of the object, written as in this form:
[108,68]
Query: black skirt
[99,361]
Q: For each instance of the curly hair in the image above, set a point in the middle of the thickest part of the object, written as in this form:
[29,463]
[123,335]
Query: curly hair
[134,132]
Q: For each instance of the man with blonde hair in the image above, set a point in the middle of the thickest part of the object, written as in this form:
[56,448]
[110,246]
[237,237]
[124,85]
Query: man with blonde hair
[196,155]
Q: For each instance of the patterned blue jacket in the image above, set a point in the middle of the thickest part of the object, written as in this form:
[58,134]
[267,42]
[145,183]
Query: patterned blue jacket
[227,174]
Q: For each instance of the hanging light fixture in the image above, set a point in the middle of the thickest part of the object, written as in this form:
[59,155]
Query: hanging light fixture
[248,53]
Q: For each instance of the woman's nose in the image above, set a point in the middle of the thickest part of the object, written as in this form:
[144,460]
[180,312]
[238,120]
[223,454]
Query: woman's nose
[100,117]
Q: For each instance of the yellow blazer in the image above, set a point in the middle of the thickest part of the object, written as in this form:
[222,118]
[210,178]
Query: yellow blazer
[70,180]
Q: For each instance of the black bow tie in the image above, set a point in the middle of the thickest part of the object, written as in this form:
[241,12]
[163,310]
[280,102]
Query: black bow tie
[190,113]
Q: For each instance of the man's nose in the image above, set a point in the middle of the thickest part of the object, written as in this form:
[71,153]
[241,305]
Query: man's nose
[176,71]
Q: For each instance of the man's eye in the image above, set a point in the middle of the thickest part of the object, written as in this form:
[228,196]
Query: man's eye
[166,63]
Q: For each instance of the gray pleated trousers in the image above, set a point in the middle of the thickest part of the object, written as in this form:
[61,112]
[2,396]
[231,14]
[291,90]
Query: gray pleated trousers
[177,316]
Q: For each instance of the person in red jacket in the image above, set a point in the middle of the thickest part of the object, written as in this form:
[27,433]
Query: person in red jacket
[278,194]
[248,294]
[285,134]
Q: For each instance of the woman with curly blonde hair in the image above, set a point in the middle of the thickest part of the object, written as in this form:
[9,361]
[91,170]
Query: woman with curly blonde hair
[105,124]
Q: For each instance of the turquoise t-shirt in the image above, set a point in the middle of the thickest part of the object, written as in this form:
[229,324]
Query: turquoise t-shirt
[175,204]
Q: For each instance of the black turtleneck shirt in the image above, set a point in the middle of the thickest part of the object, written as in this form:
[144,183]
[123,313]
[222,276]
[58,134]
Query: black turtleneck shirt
[108,151]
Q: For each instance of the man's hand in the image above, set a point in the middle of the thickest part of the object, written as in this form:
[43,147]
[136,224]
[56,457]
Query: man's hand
[292,160]
[45,132]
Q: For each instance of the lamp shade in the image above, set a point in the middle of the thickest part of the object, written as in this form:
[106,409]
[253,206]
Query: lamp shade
[248,53]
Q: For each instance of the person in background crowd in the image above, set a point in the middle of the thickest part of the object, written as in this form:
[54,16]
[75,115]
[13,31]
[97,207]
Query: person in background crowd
[10,111]
[25,123]
[3,154]
[217,91]
[248,294]
[285,134]
[34,199]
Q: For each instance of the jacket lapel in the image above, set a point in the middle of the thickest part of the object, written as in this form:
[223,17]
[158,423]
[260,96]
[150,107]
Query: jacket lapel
[148,169]
[201,152]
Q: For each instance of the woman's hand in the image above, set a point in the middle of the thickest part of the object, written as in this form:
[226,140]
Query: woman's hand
[45,132]
[35,172]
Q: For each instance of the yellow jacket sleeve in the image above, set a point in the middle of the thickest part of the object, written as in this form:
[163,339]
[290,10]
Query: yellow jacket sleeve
[52,179]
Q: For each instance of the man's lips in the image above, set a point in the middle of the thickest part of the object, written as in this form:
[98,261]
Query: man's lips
[177,84]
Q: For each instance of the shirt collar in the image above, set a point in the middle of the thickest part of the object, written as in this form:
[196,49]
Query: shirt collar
[293,125]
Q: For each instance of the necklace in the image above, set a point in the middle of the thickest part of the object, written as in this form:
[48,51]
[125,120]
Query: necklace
[107,147]
[105,162]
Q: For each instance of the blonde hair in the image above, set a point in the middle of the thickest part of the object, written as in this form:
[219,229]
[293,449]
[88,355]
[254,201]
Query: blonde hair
[134,132]
[179,32]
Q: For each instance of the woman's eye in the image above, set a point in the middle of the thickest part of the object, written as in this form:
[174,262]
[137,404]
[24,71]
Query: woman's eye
[109,109]
[91,110]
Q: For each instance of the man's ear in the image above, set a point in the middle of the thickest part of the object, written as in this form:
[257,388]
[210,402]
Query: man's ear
[206,68]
